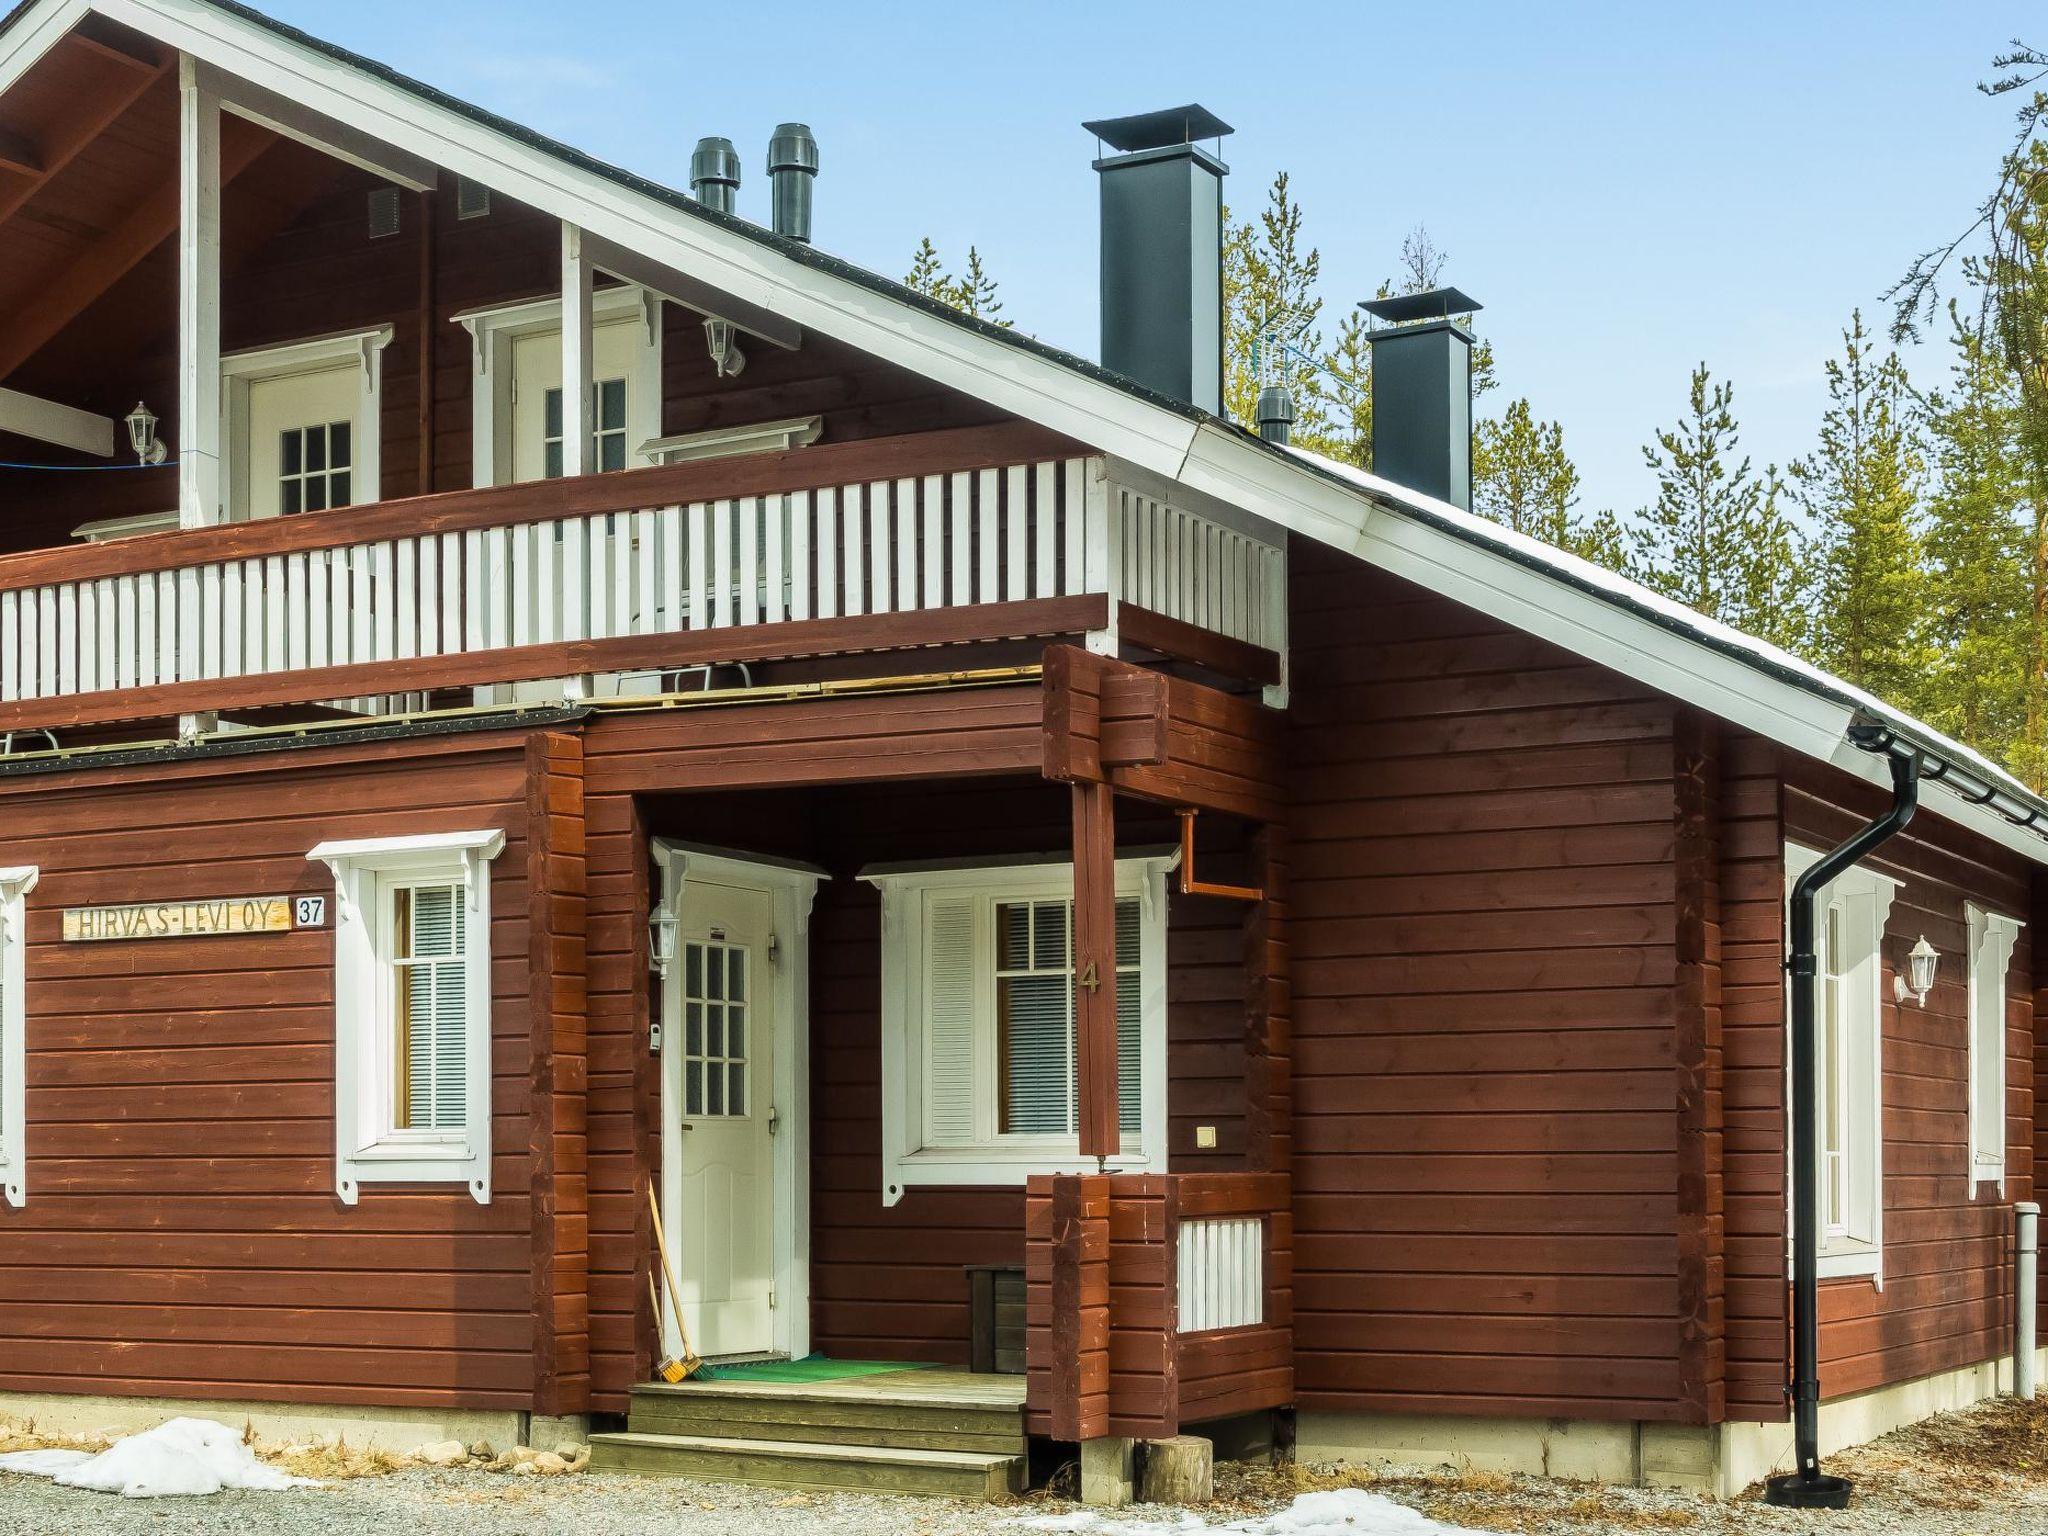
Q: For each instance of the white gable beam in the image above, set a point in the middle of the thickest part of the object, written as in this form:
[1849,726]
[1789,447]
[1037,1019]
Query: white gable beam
[198,300]
[681,288]
[296,121]
[62,425]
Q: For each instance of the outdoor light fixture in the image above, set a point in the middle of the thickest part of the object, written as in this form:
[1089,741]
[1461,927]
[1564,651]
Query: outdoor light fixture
[722,337]
[1918,981]
[661,939]
[149,448]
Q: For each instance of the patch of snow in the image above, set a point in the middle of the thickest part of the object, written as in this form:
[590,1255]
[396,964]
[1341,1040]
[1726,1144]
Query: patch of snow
[181,1457]
[1339,1512]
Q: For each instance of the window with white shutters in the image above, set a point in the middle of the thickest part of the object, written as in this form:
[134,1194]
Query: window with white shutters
[15,884]
[1992,936]
[979,1074]
[412,1009]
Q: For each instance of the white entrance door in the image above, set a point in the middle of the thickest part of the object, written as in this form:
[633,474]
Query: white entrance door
[537,409]
[304,443]
[719,1057]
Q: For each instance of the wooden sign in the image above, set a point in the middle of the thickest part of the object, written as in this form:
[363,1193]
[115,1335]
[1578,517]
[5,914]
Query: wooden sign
[194,919]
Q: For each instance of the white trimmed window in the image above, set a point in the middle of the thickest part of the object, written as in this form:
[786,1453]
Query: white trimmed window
[412,1010]
[15,884]
[978,1072]
[1849,1086]
[1992,936]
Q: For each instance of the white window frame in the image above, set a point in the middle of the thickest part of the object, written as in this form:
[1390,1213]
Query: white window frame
[494,329]
[318,354]
[1992,936]
[368,1147]
[15,884]
[906,1160]
[1865,899]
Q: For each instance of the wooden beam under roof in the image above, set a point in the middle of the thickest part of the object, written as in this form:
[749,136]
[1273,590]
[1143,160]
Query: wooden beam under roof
[83,278]
[18,154]
[47,421]
[62,143]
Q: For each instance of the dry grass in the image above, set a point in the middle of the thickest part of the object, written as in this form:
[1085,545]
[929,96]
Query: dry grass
[339,1462]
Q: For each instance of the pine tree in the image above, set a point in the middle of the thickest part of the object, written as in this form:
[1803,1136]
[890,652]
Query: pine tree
[1716,538]
[1860,490]
[973,292]
[1523,478]
[1978,599]
[1269,284]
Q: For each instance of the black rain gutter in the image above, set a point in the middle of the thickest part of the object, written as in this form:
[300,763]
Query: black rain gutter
[1808,1487]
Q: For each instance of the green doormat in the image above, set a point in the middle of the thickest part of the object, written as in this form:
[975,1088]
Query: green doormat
[810,1368]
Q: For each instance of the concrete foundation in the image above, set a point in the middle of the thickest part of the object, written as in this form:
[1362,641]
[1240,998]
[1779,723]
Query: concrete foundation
[1721,1459]
[389,1429]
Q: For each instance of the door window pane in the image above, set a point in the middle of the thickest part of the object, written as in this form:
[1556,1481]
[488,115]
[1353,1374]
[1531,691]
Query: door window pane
[714,1029]
[315,465]
[608,433]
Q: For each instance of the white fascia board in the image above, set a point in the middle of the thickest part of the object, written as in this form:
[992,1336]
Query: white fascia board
[1037,388]
[48,422]
[1295,496]
[29,39]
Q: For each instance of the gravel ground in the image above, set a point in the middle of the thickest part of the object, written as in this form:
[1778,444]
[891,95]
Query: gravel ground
[1982,1473]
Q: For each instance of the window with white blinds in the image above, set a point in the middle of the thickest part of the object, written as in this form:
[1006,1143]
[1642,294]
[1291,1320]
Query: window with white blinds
[978,1002]
[412,1010]
[15,884]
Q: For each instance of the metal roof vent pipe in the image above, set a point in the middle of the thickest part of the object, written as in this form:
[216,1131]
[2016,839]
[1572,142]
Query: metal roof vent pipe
[1422,393]
[1162,252]
[1276,414]
[792,172]
[715,173]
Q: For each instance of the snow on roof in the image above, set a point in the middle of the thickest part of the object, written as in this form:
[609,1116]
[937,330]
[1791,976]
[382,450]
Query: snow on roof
[1675,616]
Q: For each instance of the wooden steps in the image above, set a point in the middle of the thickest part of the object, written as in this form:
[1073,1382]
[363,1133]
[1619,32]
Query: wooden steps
[930,1432]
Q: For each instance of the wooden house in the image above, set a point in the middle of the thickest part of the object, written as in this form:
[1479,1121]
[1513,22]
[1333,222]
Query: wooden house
[560,689]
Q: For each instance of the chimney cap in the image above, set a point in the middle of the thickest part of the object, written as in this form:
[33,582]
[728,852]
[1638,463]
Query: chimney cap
[1158,130]
[1433,304]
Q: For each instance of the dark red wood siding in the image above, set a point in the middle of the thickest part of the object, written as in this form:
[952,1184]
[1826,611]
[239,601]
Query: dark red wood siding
[181,1235]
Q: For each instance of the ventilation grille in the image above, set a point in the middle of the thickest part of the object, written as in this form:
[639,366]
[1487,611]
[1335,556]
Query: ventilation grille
[472,198]
[383,212]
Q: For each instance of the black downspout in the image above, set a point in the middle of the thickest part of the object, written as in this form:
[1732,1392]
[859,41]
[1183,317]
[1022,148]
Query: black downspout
[1809,1487]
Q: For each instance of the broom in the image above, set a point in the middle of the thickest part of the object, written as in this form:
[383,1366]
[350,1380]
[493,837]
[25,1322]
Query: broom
[669,1370]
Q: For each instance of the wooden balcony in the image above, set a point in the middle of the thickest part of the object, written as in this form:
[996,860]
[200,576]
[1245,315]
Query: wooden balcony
[953,537]
[1156,1301]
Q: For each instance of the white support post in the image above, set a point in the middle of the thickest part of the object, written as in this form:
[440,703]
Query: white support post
[577,419]
[2026,1294]
[1102,537]
[199,414]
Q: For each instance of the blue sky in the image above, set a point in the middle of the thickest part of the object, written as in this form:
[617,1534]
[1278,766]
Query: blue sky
[1628,188]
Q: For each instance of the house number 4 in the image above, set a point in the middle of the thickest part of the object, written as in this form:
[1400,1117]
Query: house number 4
[1089,978]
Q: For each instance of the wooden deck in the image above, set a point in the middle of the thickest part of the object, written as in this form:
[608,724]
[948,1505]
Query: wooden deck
[912,1385]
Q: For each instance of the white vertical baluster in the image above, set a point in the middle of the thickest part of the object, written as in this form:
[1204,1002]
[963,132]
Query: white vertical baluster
[853,547]
[747,511]
[646,611]
[296,607]
[988,496]
[209,621]
[960,521]
[575,578]
[10,646]
[67,638]
[600,564]
[407,577]
[498,566]
[1045,532]
[825,519]
[170,664]
[934,595]
[721,564]
[524,539]
[1016,553]
[451,593]
[31,647]
[430,595]
[131,631]
[475,602]
[905,525]
[91,657]
[362,627]
[774,599]
[546,559]
[881,560]
[319,586]
[699,566]
[1073,495]
[187,636]
[340,607]
[670,582]
[799,504]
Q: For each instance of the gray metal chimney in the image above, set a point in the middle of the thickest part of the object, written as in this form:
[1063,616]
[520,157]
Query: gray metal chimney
[1422,393]
[792,168]
[1162,252]
[715,173]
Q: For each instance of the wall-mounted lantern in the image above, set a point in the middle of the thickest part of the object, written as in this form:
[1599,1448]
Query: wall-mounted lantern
[149,448]
[1921,963]
[661,939]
